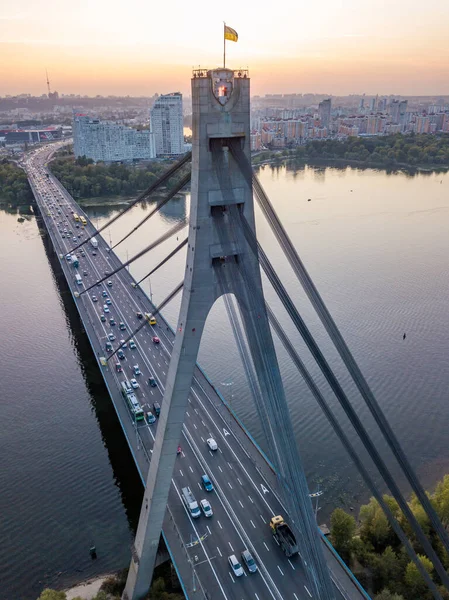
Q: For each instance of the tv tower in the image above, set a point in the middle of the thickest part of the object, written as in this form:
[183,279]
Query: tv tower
[48,83]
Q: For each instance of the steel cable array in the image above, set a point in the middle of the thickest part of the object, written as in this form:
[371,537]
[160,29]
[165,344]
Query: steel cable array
[341,346]
[242,278]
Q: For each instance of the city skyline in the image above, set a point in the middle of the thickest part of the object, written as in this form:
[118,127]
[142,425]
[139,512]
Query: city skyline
[361,49]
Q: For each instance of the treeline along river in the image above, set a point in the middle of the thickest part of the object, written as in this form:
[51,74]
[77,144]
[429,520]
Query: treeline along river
[377,247]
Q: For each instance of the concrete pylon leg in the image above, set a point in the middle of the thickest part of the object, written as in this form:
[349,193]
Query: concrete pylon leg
[220,103]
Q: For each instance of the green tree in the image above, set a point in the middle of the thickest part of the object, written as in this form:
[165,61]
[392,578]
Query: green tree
[343,528]
[414,580]
[49,594]
[387,595]
[374,528]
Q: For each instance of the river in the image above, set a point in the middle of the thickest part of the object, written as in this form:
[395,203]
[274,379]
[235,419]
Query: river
[376,245]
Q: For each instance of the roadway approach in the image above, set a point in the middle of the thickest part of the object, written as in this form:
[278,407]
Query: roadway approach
[245,495]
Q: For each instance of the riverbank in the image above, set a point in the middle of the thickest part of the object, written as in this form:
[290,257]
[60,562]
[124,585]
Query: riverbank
[87,590]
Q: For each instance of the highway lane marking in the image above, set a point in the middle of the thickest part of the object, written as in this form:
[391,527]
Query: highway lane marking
[199,484]
[182,474]
[219,524]
[221,470]
[230,485]
[241,504]
[230,545]
[219,552]
[266,546]
[220,450]
[252,524]
[238,479]
[291,564]
[295,596]
[203,439]
[187,413]
[231,577]
[263,520]
[229,465]
[196,410]
[199,539]
[210,532]
[252,501]
[203,423]
[280,570]
[195,426]
[307,591]
[191,468]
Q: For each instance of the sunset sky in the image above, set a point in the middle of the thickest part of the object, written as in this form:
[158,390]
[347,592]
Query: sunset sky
[141,47]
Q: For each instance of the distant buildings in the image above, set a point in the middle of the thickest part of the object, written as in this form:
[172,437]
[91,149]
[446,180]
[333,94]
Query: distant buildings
[324,113]
[30,136]
[110,142]
[166,120]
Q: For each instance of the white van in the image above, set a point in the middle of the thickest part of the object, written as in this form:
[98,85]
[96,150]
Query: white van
[190,502]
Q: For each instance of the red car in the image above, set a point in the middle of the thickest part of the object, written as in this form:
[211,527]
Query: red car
[118,367]
[156,340]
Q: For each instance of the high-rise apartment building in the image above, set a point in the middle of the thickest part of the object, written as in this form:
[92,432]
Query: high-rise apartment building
[167,124]
[110,142]
[324,112]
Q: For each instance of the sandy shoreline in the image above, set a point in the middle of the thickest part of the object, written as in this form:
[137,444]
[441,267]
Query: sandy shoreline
[87,589]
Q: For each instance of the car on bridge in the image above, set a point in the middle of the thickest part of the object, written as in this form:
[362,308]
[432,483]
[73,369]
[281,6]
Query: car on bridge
[122,326]
[134,383]
[207,483]
[109,302]
[123,344]
[104,294]
[136,370]
[212,444]
[109,346]
[109,283]
[111,337]
[150,418]
[249,561]
[106,308]
[121,354]
[152,382]
[139,315]
[132,344]
[206,508]
[102,318]
[155,339]
[118,367]
[94,299]
[111,322]
[236,567]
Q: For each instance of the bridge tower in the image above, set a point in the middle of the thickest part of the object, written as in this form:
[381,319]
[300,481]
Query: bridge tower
[221,118]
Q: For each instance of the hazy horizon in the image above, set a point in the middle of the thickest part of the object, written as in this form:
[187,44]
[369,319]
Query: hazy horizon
[101,49]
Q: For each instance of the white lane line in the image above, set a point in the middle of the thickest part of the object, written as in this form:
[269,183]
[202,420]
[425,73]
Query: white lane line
[219,525]
[229,465]
[251,500]
[280,571]
[203,423]
[199,485]
[195,426]
[191,470]
[238,479]
[263,520]
[221,470]
[187,413]
[241,504]
[277,541]
[252,524]
[266,546]
[307,591]
[230,485]
[296,597]
[232,549]
[182,474]
[291,564]
[196,410]
[219,552]
[203,439]
[231,577]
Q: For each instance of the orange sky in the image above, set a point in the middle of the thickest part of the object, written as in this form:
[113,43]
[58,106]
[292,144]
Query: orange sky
[136,48]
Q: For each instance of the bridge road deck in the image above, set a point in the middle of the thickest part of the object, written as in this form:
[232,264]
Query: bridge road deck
[245,496]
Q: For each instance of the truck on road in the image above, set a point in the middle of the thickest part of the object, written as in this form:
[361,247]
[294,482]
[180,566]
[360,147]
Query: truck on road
[94,242]
[75,261]
[284,536]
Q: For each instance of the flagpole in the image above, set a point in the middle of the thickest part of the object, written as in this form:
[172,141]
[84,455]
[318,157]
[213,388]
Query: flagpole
[224,45]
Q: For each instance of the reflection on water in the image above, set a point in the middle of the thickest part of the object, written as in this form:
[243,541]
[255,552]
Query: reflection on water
[376,246]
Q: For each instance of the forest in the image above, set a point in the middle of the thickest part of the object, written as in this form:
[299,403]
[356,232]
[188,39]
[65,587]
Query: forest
[14,186]
[84,179]
[375,554]
[388,151]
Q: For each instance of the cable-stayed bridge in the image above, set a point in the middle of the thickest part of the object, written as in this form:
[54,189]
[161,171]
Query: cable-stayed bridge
[223,258]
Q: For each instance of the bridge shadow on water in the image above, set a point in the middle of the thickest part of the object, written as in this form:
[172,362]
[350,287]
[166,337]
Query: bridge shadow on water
[126,477]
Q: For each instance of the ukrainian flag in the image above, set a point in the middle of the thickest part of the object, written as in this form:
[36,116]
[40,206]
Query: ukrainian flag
[230,34]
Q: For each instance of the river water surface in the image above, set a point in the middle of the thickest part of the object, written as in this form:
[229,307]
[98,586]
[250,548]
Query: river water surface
[377,247]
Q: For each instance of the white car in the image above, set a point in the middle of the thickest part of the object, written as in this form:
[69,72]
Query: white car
[236,567]
[134,384]
[105,308]
[212,444]
[206,508]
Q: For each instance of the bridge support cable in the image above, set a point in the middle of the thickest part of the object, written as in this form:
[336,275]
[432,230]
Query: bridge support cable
[184,181]
[242,348]
[239,276]
[162,179]
[168,234]
[157,310]
[308,379]
[166,259]
[340,394]
[339,342]
[275,410]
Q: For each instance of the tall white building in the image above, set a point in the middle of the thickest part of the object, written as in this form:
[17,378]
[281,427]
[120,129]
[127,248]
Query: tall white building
[110,142]
[167,124]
